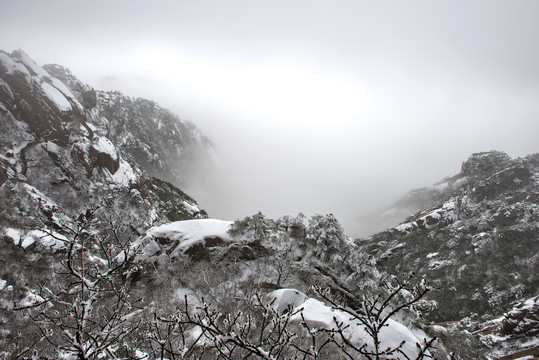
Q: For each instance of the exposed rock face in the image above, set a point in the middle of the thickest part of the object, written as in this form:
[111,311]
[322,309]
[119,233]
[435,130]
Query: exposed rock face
[172,201]
[56,165]
[523,319]
[64,149]
[3,175]
[89,98]
[475,169]
[156,139]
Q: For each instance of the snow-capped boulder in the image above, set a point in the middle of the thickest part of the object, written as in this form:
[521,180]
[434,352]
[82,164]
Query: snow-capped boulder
[104,154]
[184,237]
[284,299]
[318,315]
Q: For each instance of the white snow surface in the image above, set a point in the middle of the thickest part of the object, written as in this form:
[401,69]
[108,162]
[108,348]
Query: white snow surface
[52,147]
[12,66]
[125,175]
[192,209]
[447,211]
[181,293]
[47,238]
[56,97]
[53,88]
[14,234]
[31,64]
[192,230]
[104,145]
[186,233]
[283,299]
[30,299]
[319,315]
[29,240]
[529,303]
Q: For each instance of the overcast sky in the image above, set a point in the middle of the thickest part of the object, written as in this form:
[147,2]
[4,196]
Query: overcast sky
[314,106]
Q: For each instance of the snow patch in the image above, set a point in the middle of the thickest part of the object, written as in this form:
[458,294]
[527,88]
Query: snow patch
[56,97]
[450,205]
[141,355]
[104,145]
[47,238]
[125,175]
[191,209]
[30,299]
[186,233]
[12,66]
[181,293]
[192,231]
[284,299]
[29,240]
[319,315]
[14,235]
[30,64]
[52,147]
[407,227]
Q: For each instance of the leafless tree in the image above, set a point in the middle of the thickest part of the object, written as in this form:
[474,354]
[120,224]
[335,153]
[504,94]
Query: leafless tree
[374,313]
[88,310]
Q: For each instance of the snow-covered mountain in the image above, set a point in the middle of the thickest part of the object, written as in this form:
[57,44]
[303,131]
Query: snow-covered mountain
[103,256]
[477,242]
[155,138]
[60,144]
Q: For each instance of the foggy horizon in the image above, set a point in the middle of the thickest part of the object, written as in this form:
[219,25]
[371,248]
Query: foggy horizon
[312,107]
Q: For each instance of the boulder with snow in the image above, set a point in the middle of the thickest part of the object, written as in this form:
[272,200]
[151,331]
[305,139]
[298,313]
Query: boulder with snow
[318,315]
[184,237]
[103,154]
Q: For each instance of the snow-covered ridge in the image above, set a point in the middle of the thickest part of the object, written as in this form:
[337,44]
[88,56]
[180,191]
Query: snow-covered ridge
[19,63]
[445,213]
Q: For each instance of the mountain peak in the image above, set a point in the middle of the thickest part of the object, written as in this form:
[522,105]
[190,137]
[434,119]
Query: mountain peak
[483,163]
[84,93]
